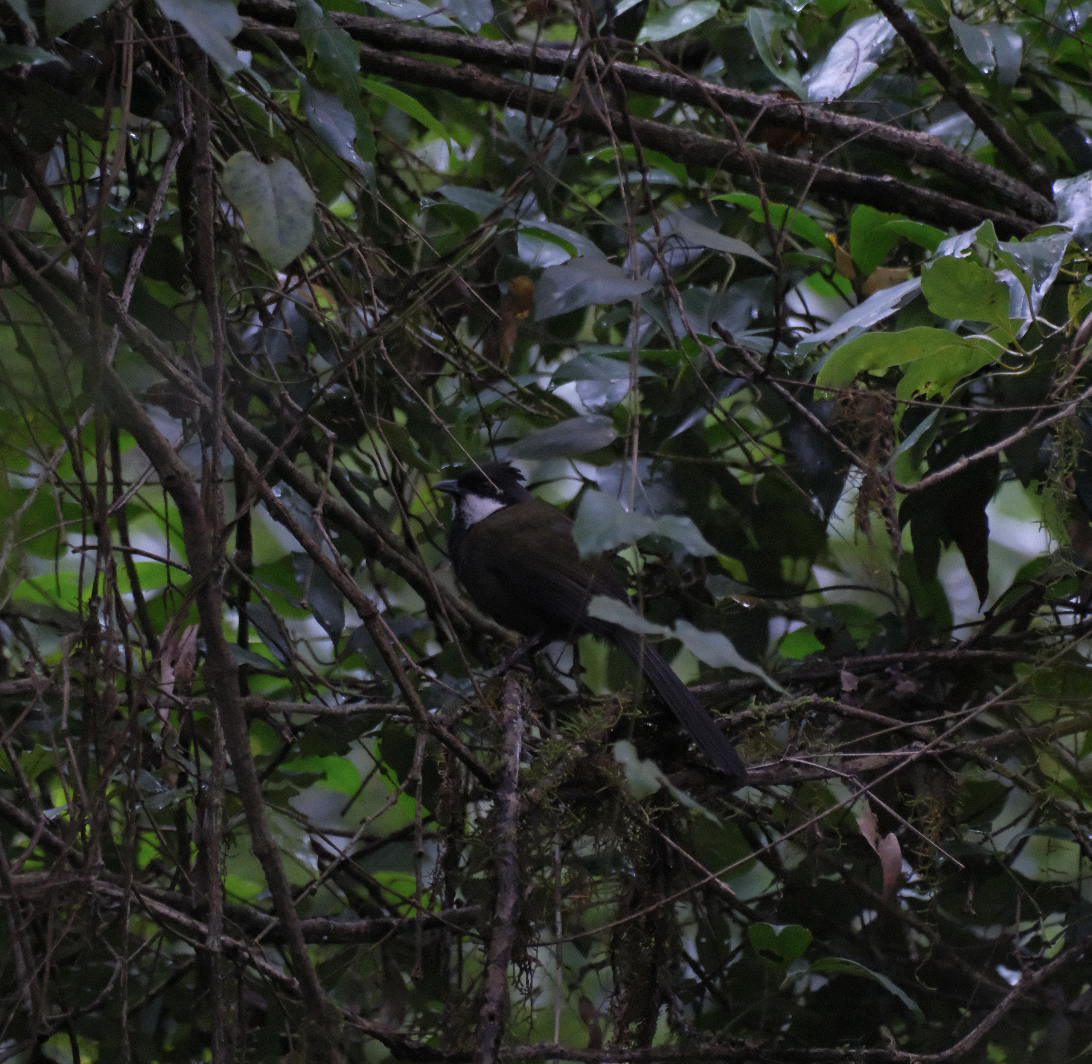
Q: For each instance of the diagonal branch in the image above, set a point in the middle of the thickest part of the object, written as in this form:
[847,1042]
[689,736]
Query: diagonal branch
[692,149]
[930,59]
[389,35]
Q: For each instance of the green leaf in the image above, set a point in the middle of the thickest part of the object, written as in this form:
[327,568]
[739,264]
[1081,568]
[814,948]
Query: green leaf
[645,777]
[582,282]
[779,944]
[602,524]
[23,55]
[938,373]
[948,358]
[975,42]
[854,57]
[407,104]
[339,773]
[597,368]
[962,289]
[328,117]
[276,204]
[476,200]
[841,966]
[715,649]
[673,21]
[212,24]
[575,436]
[925,236]
[615,611]
[472,14]
[322,596]
[339,56]
[765,29]
[874,309]
[871,237]
[781,216]
[412,10]
[695,233]
[21,10]
[62,15]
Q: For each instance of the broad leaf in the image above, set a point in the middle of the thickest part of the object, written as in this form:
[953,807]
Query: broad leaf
[576,436]
[674,21]
[62,15]
[276,204]
[582,282]
[855,56]
[945,359]
[212,24]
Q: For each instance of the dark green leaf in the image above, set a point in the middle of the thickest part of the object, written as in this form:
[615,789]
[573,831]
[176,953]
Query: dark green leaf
[276,204]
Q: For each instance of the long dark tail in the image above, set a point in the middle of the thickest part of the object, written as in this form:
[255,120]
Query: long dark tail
[677,697]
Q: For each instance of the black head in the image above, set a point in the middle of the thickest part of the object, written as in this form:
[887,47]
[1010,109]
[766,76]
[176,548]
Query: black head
[478,492]
[498,482]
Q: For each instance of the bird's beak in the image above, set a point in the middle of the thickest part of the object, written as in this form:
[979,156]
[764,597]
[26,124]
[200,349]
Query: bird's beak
[449,486]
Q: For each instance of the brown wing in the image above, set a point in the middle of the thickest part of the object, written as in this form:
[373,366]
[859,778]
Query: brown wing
[545,590]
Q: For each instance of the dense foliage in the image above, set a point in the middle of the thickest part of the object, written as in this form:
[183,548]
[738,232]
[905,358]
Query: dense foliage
[789,305]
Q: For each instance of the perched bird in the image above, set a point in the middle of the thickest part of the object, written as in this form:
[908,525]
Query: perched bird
[518,559]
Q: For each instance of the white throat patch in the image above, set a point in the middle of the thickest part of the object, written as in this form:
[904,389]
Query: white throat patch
[475,507]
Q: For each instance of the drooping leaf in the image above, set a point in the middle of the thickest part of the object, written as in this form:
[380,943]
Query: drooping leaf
[855,56]
[715,648]
[407,104]
[886,846]
[1073,196]
[872,311]
[276,204]
[941,359]
[605,608]
[582,282]
[842,966]
[577,436]
[960,288]
[473,14]
[338,56]
[212,24]
[602,524]
[767,29]
[594,367]
[331,121]
[412,11]
[871,237]
[24,55]
[705,237]
[321,595]
[674,21]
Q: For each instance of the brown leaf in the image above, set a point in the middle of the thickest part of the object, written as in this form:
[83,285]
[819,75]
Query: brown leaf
[887,848]
[884,277]
[516,306]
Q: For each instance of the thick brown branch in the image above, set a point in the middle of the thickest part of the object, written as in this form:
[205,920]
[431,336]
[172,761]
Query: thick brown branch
[930,59]
[923,149]
[692,149]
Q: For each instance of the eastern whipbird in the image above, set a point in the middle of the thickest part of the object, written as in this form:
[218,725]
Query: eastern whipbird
[518,559]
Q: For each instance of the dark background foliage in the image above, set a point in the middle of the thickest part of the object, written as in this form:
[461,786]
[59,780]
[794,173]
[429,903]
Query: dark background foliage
[788,305]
